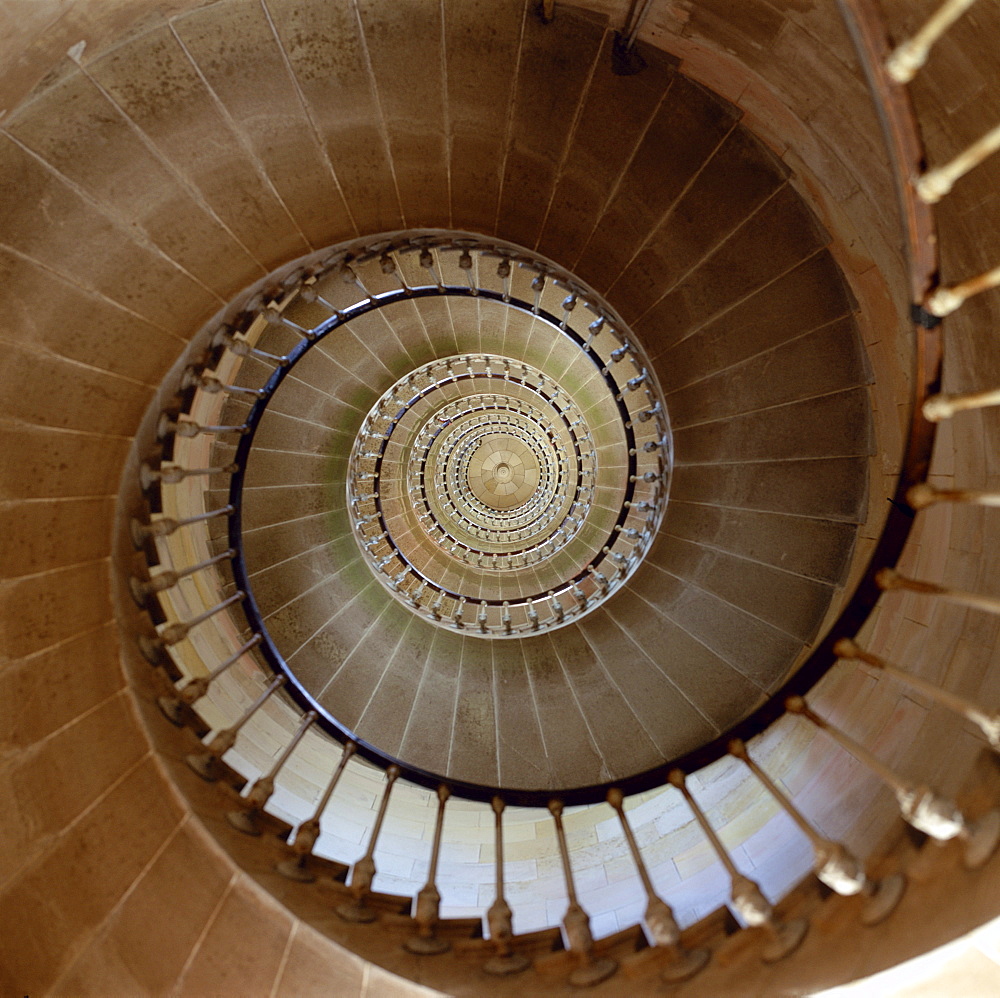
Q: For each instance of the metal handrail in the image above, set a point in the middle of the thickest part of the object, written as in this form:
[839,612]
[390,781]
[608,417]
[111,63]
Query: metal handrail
[822,658]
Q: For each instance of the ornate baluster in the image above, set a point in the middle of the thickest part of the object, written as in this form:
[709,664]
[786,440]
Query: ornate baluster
[661,926]
[141,532]
[989,724]
[349,276]
[499,918]
[465,265]
[920,807]
[188,428]
[241,348]
[152,648]
[428,904]
[426,260]
[308,293]
[387,263]
[889,578]
[297,866]
[205,764]
[141,591]
[363,873]
[275,318]
[839,869]
[538,286]
[192,691]
[934,184]
[906,59]
[503,272]
[171,475]
[924,495]
[942,406]
[248,820]
[576,923]
[207,383]
[746,896]
[946,300]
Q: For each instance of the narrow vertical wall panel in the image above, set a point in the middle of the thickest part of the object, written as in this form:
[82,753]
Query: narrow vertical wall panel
[482,49]
[615,115]
[327,55]
[555,67]
[178,115]
[236,51]
[404,45]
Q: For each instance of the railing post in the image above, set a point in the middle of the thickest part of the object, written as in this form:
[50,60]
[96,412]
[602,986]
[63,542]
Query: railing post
[248,820]
[205,764]
[428,904]
[498,918]
[934,184]
[576,923]
[171,475]
[907,58]
[889,578]
[746,896]
[141,532]
[945,300]
[297,866]
[923,495]
[167,426]
[919,806]
[989,724]
[661,926]
[187,695]
[152,648]
[141,590]
[363,873]
[839,869]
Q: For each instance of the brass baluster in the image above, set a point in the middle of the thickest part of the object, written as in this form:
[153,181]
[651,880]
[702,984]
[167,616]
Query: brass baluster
[296,867]
[152,648]
[172,474]
[934,184]
[924,495]
[428,904]
[576,923]
[834,865]
[363,873]
[889,578]
[498,918]
[944,406]
[661,926]
[195,689]
[989,724]
[141,590]
[907,58]
[945,300]
[919,806]
[141,532]
[248,820]
[205,764]
[746,896]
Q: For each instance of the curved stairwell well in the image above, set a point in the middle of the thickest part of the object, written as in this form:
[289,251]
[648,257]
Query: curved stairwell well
[292,234]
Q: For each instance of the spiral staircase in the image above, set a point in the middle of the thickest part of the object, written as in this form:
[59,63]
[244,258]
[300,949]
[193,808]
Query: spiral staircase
[507,412]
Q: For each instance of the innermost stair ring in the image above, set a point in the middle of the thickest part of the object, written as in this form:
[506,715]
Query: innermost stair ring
[481,500]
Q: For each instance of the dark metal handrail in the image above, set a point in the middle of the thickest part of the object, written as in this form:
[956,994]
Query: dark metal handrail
[849,622]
